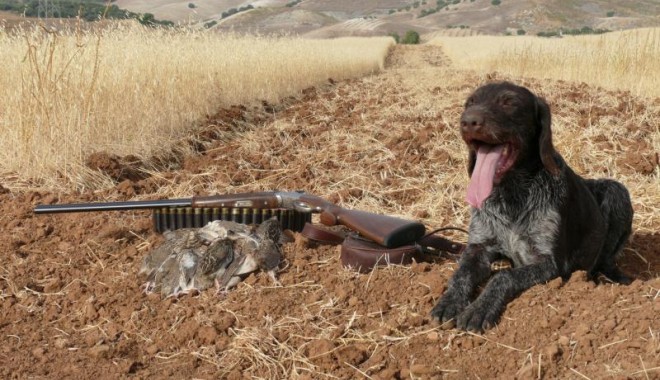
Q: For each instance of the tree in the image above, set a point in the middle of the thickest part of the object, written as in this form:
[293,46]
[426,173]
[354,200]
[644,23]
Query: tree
[411,37]
[147,19]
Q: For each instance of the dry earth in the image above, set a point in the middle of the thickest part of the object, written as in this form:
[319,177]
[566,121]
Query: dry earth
[72,305]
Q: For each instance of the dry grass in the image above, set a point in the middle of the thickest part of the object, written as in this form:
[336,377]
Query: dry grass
[131,90]
[627,60]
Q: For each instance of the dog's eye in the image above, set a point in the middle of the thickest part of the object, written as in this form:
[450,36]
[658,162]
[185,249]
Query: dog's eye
[507,101]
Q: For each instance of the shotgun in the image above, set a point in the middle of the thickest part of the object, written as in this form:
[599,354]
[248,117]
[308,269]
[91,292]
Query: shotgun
[293,209]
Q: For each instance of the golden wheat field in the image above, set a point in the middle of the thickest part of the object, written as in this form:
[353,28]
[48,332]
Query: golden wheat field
[161,114]
[625,60]
[133,90]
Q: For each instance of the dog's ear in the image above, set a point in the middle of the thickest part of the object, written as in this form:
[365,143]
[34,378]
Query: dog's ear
[546,149]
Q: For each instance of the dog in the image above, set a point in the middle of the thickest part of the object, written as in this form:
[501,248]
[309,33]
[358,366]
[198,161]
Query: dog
[529,206]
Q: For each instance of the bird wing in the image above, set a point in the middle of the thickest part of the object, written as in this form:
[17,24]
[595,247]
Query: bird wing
[231,270]
[244,260]
[158,256]
[219,255]
[270,229]
[268,255]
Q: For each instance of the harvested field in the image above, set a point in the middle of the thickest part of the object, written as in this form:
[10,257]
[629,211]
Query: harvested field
[389,143]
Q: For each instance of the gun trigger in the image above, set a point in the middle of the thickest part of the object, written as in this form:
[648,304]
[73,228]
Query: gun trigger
[328,219]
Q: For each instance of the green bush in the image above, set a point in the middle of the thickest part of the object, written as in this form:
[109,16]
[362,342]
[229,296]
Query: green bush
[496,2]
[521,32]
[547,34]
[610,14]
[396,37]
[573,32]
[233,11]
[426,12]
[411,37]
[192,5]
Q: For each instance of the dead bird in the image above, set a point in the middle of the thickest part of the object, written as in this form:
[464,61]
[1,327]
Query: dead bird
[220,253]
[263,252]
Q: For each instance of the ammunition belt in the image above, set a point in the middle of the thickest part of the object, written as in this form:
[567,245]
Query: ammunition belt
[172,218]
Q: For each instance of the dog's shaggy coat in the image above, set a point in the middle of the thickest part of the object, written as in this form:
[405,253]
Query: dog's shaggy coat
[528,206]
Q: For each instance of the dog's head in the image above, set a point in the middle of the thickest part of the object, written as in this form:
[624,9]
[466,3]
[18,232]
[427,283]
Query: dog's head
[505,127]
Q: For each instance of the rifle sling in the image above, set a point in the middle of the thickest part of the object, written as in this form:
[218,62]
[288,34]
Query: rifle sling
[323,235]
[363,255]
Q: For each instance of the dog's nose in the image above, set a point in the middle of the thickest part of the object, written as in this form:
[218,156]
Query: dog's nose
[471,121]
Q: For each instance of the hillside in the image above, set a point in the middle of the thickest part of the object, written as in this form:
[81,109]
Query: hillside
[326,18]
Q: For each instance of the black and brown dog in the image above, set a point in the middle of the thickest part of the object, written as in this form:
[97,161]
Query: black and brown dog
[528,206]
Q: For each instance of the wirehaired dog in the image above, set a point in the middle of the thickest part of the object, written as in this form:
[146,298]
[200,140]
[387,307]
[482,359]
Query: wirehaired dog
[528,206]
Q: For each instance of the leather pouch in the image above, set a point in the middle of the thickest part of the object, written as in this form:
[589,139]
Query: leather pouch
[363,255]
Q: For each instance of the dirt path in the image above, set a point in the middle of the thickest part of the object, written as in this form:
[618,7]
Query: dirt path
[415,57]
[71,301]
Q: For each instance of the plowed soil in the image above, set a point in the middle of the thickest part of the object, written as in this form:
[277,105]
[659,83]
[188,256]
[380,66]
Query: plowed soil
[71,301]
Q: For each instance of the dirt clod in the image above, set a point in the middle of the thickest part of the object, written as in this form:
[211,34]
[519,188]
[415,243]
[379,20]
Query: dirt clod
[116,167]
[101,351]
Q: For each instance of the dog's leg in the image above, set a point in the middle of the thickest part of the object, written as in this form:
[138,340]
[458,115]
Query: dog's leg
[608,264]
[473,269]
[615,205]
[486,310]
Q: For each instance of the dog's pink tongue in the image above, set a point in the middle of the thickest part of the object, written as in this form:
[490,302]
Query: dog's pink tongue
[481,183]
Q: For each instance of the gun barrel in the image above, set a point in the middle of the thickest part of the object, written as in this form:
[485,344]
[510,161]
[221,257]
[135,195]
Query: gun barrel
[112,206]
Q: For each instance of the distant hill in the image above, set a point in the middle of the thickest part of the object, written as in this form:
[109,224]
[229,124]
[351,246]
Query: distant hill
[333,18]
[15,11]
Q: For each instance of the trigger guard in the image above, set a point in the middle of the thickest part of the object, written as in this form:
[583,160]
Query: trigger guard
[304,207]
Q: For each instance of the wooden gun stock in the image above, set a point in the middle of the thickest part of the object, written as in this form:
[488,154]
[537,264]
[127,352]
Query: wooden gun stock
[385,230]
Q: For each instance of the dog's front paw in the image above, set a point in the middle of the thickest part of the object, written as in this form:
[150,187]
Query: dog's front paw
[450,305]
[479,316]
